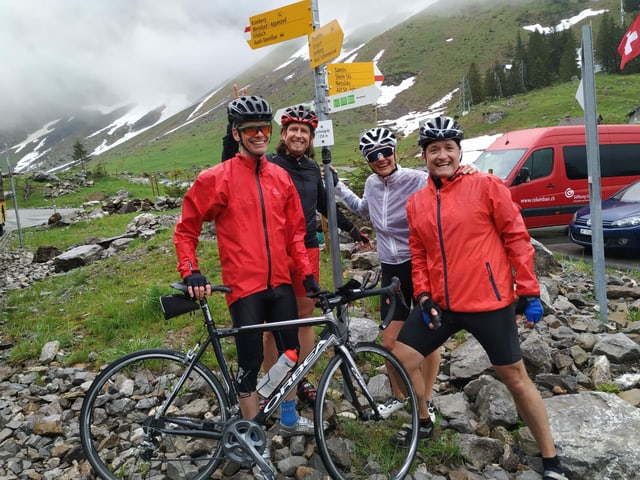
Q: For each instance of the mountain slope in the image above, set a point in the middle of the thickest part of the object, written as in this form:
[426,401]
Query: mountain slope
[427,54]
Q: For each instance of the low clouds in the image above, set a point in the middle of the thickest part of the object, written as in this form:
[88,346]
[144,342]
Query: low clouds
[63,54]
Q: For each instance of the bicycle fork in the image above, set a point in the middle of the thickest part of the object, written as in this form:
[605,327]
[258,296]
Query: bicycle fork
[350,371]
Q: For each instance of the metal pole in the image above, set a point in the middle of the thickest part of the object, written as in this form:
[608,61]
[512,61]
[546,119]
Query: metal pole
[593,168]
[15,197]
[322,112]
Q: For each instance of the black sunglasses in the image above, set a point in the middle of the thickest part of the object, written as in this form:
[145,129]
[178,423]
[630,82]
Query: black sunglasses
[379,153]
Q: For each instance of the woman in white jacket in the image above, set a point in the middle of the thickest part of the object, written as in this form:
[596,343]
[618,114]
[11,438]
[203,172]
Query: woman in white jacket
[384,203]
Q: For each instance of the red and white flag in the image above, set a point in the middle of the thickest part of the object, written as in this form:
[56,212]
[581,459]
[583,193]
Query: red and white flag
[629,47]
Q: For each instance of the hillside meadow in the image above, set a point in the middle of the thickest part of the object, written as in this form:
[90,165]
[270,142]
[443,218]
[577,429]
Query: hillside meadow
[112,306]
[616,97]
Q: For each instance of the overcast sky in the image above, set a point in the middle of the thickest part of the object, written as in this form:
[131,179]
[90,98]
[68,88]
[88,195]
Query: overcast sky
[58,53]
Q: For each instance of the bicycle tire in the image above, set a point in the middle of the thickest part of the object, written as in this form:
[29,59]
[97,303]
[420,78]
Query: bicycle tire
[118,409]
[354,447]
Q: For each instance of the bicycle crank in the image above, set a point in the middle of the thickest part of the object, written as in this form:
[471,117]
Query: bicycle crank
[243,441]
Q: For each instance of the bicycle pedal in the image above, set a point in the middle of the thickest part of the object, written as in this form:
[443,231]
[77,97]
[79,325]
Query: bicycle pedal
[231,468]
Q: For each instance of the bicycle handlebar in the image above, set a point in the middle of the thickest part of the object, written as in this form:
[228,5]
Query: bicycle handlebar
[344,295]
[328,300]
[214,288]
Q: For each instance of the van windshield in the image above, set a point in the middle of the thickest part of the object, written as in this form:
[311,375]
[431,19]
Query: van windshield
[499,162]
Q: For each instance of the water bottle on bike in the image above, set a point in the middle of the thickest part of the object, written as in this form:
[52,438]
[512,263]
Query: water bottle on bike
[274,376]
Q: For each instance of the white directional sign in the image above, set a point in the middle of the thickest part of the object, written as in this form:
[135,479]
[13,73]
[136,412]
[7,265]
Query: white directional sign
[324,134]
[355,98]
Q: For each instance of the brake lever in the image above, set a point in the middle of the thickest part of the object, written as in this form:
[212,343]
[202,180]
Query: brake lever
[372,283]
[376,278]
[365,280]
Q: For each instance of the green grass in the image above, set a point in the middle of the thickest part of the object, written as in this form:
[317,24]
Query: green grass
[110,307]
[444,449]
[76,233]
[607,388]
[633,315]
[101,189]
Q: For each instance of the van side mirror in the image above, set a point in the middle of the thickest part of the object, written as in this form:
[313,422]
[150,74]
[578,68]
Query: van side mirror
[523,176]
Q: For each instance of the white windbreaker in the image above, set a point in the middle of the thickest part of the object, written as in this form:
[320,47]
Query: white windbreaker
[384,203]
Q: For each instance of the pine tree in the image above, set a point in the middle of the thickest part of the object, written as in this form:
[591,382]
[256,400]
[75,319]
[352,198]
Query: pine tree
[568,61]
[490,85]
[631,6]
[606,46]
[538,75]
[515,82]
[80,154]
[475,84]
[520,61]
[556,44]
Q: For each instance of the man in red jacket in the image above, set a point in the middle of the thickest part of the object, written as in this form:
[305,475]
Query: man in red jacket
[469,246]
[260,225]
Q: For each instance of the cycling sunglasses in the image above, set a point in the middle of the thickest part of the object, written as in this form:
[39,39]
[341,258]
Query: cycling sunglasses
[252,130]
[379,153]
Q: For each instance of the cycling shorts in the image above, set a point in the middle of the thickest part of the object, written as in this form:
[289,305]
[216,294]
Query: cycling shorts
[272,305]
[403,272]
[496,331]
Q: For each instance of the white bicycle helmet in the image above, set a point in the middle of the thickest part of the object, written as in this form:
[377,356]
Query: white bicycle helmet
[375,139]
[439,128]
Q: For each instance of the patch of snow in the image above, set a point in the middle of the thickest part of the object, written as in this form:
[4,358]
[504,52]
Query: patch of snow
[408,123]
[565,23]
[389,92]
[35,135]
[199,106]
[30,158]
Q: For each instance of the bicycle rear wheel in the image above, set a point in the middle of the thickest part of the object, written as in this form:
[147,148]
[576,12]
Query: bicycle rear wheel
[124,436]
[357,443]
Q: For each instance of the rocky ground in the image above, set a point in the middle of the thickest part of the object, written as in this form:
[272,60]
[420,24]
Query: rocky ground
[569,355]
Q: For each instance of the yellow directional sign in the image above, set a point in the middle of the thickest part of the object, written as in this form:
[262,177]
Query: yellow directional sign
[325,44]
[281,24]
[344,77]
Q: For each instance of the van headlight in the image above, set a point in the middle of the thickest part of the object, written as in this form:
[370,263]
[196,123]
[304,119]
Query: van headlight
[626,222]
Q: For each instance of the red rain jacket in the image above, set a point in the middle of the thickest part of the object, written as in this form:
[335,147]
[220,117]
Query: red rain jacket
[259,223]
[469,244]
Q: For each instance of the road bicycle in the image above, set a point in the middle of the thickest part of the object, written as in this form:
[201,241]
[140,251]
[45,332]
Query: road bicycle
[162,414]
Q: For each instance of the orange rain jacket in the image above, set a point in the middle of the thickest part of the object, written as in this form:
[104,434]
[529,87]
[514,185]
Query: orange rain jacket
[259,224]
[469,244]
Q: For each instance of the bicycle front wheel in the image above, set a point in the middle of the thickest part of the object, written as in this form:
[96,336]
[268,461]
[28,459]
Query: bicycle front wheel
[357,441]
[127,431]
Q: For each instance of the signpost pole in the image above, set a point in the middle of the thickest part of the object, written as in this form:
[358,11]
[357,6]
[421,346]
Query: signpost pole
[593,168]
[15,197]
[322,112]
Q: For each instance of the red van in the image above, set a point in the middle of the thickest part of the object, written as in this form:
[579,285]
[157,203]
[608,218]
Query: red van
[546,168]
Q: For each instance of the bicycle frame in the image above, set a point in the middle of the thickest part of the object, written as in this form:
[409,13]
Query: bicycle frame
[334,335]
[158,409]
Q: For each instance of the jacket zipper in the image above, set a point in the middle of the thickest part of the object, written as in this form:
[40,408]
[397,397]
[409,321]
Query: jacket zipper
[444,256]
[264,224]
[492,281]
